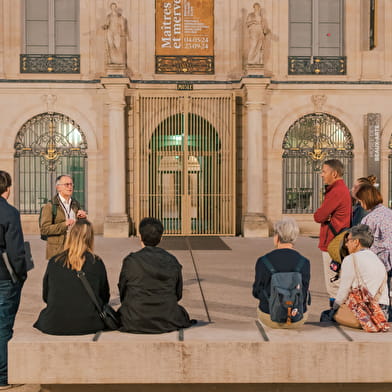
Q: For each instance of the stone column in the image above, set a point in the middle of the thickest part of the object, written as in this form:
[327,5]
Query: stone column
[116,223]
[254,222]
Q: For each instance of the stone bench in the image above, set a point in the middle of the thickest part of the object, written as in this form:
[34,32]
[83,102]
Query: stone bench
[231,353]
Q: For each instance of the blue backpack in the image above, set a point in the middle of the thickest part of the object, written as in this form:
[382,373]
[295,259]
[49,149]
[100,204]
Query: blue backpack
[286,301]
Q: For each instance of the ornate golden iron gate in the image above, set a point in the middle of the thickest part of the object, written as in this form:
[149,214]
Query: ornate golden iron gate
[186,171]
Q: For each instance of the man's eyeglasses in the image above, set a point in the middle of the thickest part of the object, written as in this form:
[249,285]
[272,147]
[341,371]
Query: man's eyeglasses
[349,239]
[67,184]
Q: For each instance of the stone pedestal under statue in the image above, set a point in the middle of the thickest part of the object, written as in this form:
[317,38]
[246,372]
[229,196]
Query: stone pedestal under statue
[254,69]
[116,226]
[116,221]
[254,222]
[255,225]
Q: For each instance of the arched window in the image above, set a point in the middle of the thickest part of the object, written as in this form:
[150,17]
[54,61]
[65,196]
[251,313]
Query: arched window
[46,146]
[310,141]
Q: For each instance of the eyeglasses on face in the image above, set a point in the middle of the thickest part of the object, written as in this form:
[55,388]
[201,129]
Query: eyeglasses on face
[67,184]
[350,239]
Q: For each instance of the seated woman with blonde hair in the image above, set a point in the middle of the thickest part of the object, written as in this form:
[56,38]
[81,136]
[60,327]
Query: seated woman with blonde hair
[69,309]
[283,259]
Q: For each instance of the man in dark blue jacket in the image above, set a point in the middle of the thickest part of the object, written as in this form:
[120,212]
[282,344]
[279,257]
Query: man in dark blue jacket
[11,244]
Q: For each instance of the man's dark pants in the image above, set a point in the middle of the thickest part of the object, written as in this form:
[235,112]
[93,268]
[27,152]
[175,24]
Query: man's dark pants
[9,304]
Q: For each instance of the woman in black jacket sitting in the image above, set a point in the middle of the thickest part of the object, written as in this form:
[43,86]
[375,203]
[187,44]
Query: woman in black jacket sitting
[69,309]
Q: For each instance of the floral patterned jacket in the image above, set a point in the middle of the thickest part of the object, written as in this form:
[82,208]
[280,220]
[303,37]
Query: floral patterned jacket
[379,220]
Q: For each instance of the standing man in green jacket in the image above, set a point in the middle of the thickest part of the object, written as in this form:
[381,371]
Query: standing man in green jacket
[59,214]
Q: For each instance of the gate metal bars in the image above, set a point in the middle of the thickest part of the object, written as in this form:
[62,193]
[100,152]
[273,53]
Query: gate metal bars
[311,140]
[186,162]
[46,146]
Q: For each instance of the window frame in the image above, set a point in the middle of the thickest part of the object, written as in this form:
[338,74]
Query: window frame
[309,141]
[312,61]
[51,28]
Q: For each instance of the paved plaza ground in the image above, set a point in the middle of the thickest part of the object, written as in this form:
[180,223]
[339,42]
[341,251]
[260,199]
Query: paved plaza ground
[217,291]
[217,283]
[222,277]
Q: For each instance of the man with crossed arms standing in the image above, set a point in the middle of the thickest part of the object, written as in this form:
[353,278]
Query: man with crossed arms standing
[335,209]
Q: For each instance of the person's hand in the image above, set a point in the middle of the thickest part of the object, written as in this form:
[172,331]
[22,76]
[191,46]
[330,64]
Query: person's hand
[70,222]
[81,214]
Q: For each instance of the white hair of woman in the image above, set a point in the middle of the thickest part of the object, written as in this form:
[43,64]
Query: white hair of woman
[287,230]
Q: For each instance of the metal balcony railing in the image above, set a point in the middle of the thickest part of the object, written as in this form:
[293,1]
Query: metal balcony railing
[50,63]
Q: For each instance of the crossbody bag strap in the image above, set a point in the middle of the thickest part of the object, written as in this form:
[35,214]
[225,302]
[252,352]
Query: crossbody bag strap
[334,232]
[379,291]
[361,282]
[357,273]
[82,276]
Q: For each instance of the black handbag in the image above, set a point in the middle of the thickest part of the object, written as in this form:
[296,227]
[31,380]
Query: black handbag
[108,315]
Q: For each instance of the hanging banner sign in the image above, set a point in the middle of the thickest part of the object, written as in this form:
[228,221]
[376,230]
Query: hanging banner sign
[184,36]
[374,144]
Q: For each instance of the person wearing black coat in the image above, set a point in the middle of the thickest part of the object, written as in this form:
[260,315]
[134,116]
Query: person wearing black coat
[150,286]
[11,243]
[69,310]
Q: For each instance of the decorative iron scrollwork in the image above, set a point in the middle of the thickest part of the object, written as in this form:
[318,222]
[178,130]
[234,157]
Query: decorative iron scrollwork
[184,64]
[310,141]
[50,63]
[318,136]
[55,136]
[317,65]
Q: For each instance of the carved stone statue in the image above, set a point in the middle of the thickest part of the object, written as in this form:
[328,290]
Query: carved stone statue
[116,36]
[257,32]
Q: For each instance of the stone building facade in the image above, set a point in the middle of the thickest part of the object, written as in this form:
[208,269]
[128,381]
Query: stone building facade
[210,144]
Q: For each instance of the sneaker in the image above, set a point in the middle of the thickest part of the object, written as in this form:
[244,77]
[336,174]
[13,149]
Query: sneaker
[9,386]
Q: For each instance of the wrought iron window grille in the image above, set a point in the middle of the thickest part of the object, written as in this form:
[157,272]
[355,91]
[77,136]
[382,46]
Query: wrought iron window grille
[317,65]
[197,65]
[46,146]
[50,63]
[310,141]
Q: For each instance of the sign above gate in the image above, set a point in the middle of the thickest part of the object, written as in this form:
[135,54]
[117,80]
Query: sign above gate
[184,36]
